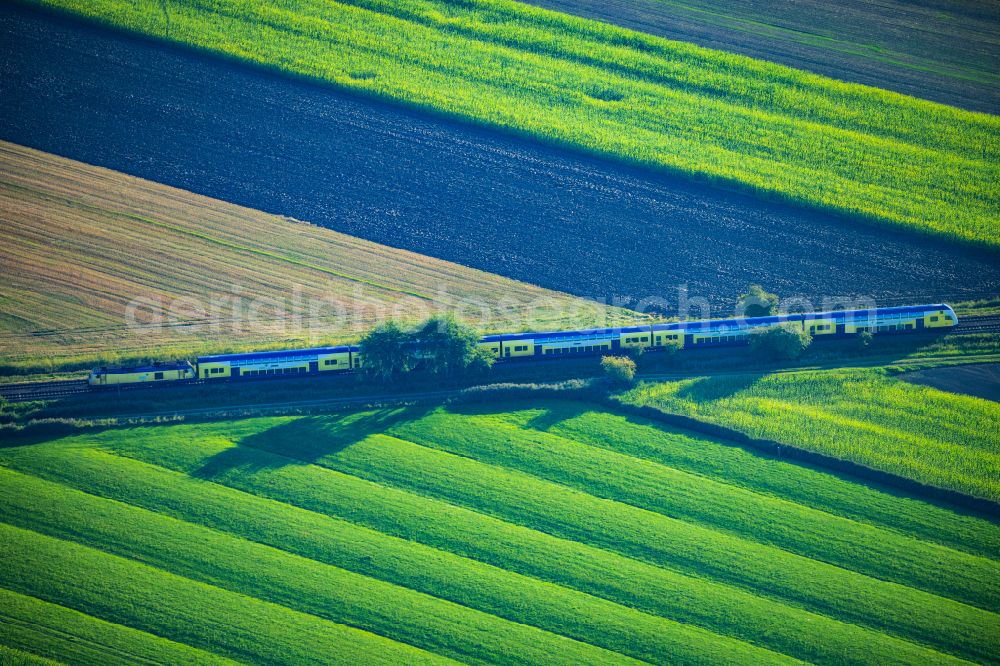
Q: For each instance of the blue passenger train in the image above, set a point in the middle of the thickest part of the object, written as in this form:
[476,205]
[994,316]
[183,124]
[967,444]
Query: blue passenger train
[514,346]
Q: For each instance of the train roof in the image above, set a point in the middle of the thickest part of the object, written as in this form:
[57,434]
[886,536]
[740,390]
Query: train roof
[582,333]
[777,319]
[157,367]
[278,353]
[708,323]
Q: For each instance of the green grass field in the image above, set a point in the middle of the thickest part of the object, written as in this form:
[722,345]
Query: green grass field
[508,533]
[945,52]
[719,117]
[864,415]
[81,243]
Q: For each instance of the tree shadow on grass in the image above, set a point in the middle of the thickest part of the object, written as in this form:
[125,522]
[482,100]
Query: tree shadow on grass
[553,411]
[305,441]
[556,414]
[710,389]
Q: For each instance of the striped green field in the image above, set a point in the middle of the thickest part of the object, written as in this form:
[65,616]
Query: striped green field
[865,415]
[728,119]
[508,533]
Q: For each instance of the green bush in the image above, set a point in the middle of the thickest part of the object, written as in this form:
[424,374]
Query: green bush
[619,369]
[757,303]
[784,341]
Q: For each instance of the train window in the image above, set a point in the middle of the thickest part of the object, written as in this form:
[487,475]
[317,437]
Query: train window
[157,375]
[935,318]
[330,361]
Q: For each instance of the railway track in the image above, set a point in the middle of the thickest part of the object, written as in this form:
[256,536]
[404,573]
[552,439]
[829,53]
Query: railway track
[28,391]
[980,324]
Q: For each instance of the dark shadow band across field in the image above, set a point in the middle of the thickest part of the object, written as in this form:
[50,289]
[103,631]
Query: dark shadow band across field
[480,198]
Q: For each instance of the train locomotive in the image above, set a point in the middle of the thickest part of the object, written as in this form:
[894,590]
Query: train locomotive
[552,344]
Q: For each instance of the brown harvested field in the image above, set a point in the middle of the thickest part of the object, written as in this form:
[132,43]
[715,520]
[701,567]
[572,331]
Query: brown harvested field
[84,246]
[981,380]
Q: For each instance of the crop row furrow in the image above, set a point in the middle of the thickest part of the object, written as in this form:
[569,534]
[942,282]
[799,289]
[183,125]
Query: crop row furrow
[126,592]
[305,585]
[648,536]
[72,637]
[733,465]
[293,519]
[665,490]
[610,525]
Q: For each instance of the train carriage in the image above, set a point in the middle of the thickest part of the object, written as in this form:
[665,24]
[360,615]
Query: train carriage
[274,363]
[158,372]
[559,343]
[636,337]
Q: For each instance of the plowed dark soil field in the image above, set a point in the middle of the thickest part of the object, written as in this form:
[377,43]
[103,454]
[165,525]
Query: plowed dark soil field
[501,204]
